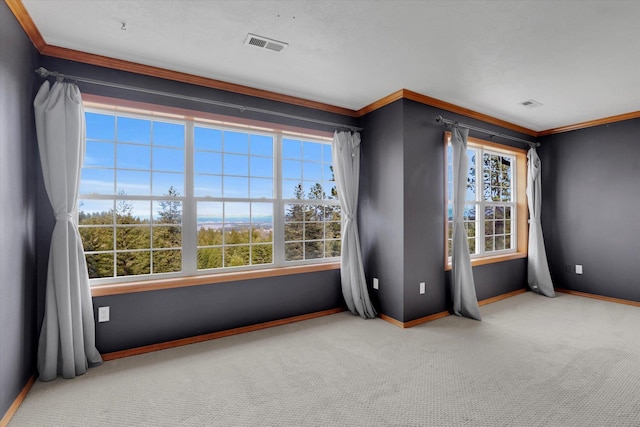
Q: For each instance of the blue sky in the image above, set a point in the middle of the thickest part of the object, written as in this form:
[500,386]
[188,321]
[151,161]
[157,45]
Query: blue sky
[144,157]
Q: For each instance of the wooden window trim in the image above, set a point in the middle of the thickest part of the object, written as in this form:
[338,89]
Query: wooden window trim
[206,279]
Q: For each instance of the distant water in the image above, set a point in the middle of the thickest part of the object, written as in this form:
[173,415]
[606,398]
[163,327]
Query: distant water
[236,222]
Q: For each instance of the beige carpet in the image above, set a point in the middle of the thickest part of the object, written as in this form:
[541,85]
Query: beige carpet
[532,361]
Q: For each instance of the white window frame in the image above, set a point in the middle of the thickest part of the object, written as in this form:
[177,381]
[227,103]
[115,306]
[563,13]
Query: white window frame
[517,203]
[189,201]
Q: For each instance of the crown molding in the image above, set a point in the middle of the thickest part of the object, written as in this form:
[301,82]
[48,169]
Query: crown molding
[433,102]
[591,123]
[437,103]
[148,70]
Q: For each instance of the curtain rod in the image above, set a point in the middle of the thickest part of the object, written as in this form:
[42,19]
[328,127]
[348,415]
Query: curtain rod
[440,119]
[43,72]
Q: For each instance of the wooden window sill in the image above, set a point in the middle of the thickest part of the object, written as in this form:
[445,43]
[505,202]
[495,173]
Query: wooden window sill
[492,259]
[180,282]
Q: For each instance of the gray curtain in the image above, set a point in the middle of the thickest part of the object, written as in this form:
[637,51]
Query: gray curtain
[67,338]
[346,166]
[538,274]
[463,290]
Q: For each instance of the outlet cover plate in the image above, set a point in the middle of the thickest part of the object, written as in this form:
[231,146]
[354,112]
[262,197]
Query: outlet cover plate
[103,314]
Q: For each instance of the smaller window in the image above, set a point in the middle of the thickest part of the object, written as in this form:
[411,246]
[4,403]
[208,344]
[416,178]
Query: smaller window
[495,210]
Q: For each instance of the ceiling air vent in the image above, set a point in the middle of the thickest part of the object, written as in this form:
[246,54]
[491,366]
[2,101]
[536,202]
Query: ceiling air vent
[265,43]
[531,103]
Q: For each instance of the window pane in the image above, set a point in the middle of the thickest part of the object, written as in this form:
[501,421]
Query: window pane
[236,165]
[262,145]
[100,265]
[236,256]
[488,243]
[293,231]
[327,172]
[312,151]
[291,169]
[94,212]
[133,237]
[332,248]
[168,134]
[207,186]
[326,154]
[291,149]
[313,231]
[133,212]
[314,191]
[133,263]
[168,159]
[97,181]
[167,236]
[167,212]
[293,251]
[294,212]
[206,162]
[209,258]
[96,239]
[261,254]
[133,183]
[168,184]
[262,167]
[472,246]
[235,187]
[207,139]
[167,261]
[100,126]
[292,190]
[312,171]
[99,154]
[236,142]
[134,130]
[333,230]
[133,157]
[261,188]
[313,250]
[488,228]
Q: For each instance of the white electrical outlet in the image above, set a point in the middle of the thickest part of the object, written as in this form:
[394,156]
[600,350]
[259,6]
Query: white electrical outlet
[376,284]
[103,314]
[578,268]
[423,285]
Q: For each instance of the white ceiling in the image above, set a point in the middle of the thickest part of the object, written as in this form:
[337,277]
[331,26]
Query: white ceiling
[580,59]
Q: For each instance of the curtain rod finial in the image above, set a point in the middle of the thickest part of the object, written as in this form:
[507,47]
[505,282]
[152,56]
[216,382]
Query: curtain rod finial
[42,72]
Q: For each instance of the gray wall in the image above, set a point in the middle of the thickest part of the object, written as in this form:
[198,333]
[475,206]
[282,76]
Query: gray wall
[590,208]
[402,212]
[17,209]
[380,212]
[144,318]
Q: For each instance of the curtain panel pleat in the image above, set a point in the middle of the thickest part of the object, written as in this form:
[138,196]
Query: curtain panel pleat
[346,165]
[463,290]
[538,275]
[67,338]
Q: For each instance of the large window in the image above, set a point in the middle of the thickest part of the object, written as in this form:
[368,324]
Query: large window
[178,197]
[494,213]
